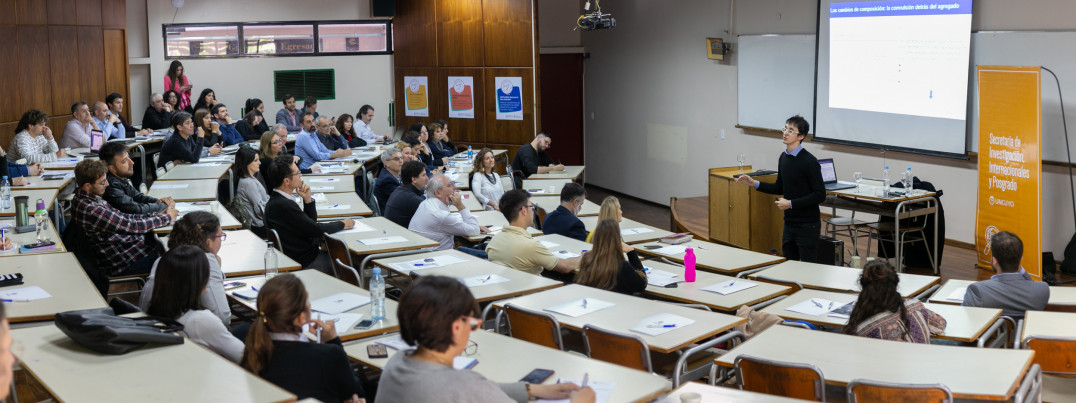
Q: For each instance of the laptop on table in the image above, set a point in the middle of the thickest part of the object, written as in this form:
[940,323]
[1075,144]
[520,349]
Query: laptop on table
[97,139]
[829,176]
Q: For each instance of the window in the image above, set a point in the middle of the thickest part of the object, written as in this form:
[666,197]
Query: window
[304,38]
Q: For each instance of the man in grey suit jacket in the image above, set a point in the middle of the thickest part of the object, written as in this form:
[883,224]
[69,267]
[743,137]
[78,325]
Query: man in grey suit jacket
[1011,289]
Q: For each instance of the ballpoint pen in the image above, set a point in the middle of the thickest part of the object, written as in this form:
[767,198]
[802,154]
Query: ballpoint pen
[586,378]
[584,302]
[816,303]
[730,283]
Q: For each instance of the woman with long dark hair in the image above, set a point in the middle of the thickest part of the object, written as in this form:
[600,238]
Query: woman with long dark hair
[248,127]
[206,100]
[604,267]
[176,80]
[881,313]
[345,124]
[182,277]
[256,105]
[208,130]
[251,187]
[439,143]
[172,99]
[200,229]
[277,351]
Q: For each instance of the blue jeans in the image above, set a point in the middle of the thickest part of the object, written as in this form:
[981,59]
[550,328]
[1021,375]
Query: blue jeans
[474,252]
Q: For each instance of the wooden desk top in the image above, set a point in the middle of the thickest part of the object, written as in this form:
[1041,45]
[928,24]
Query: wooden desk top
[714,257]
[496,219]
[383,227]
[243,254]
[842,358]
[1049,324]
[626,313]
[572,172]
[36,182]
[839,278]
[48,195]
[30,237]
[319,285]
[627,224]
[692,292]
[227,220]
[201,170]
[712,393]
[520,283]
[195,190]
[550,203]
[61,276]
[155,373]
[356,206]
[505,359]
[331,184]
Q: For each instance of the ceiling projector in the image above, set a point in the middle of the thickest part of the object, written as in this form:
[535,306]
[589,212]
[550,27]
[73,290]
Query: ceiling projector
[596,20]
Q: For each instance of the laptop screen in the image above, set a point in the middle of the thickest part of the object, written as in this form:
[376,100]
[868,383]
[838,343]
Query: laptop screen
[97,139]
[829,174]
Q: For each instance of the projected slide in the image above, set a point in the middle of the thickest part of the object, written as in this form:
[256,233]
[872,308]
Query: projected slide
[904,57]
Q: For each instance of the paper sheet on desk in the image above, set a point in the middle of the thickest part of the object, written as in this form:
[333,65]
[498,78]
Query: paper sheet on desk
[549,245]
[170,186]
[427,263]
[660,278]
[334,207]
[670,250]
[957,294]
[323,180]
[339,303]
[580,307]
[396,343]
[333,170]
[321,188]
[342,322]
[206,164]
[602,390]
[24,294]
[661,323]
[319,197]
[383,240]
[182,207]
[563,254]
[729,287]
[359,227]
[815,306]
[635,231]
[207,160]
[481,280]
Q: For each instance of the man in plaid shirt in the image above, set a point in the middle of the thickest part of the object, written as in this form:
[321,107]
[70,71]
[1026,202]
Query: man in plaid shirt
[120,238]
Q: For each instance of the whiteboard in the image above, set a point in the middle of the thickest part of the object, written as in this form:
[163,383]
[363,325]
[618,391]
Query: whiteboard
[775,79]
[1031,48]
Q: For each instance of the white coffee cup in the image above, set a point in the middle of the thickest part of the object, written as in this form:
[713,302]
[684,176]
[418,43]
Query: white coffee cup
[690,397]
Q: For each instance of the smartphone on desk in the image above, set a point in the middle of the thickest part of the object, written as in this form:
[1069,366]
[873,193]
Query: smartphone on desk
[537,376]
[365,324]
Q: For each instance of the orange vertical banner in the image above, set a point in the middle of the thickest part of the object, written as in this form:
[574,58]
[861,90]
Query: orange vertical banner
[1010,164]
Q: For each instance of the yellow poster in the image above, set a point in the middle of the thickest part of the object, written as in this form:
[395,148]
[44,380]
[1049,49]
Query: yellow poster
[1010,165]
[418,103]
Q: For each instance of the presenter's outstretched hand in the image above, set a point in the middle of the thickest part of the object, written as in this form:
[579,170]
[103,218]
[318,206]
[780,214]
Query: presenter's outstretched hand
[746,180]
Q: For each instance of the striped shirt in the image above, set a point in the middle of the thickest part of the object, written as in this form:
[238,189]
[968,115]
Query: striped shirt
[34,149]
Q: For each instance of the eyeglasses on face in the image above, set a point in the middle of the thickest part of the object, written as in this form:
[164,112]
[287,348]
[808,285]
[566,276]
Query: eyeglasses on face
[223,236]
[790,131]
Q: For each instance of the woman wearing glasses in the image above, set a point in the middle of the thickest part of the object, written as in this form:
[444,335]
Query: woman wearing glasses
[200,229]
[437,315]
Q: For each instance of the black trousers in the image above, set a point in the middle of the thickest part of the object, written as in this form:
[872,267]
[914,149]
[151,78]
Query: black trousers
[800,241]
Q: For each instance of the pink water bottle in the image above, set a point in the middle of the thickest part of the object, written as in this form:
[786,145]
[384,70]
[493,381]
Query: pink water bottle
[689,265]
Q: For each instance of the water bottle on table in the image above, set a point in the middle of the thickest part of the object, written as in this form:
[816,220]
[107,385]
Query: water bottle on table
[470,152]
[271,269]
[885,181]
[907,182]
[41,218]
[377,296]
[689,265]
[5,192]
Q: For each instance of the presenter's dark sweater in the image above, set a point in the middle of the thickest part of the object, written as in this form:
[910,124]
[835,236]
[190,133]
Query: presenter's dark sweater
[799,179]
[311,370]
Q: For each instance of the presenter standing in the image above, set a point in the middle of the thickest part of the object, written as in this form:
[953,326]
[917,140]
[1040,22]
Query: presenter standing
[799,179]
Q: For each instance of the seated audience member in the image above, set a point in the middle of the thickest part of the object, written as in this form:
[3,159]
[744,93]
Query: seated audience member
[251,187]
[206,100]
[249,125]
[610,209]
[200,229]
[174,102]
[531,159]
[881,313]
[288,116]
[272,146]
[405,150]
[106,121]
[122,247]
[417,154]
[437,315]
[17,173]
[444,135]
[208,131]
[604,266]
[310,147]
[389,178]
[33,140]
[486,184]
[439,144]
[362,125]
[121,194]
[345,125]
[421,132]
[514,247]
[228,132]
[434,219]
[182,146]
[278,352]
[182,277]
[564,220]
[1012,290]
[115,109]
[159,113]
[327,134]
[310,106]
[256,105]
[77,130]
[403,201]
[299,229]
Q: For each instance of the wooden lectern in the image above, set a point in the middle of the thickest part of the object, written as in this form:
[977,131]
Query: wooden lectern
[740,215]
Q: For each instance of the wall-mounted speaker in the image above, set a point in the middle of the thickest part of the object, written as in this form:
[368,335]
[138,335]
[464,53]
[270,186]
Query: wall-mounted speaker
[383,8]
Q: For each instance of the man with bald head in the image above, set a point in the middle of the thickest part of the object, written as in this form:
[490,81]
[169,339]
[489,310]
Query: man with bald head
[106,121]
[434,219]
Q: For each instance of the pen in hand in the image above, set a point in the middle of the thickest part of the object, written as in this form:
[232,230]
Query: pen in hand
[586,378]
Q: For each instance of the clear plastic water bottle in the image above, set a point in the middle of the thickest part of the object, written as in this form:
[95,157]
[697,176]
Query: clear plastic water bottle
[271,269]
[907,181]
[470,152]
[885,181]
[689,265]
[377,295]
[41,218]
[5,192]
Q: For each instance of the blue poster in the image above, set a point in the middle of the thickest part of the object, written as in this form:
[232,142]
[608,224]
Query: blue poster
[509,94]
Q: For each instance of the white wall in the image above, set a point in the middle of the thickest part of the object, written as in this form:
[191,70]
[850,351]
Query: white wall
[359,79]
[656,106]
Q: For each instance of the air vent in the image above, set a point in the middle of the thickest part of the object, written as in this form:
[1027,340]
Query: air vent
[320,84]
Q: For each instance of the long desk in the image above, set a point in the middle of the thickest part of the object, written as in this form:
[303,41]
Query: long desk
[550,203]
[519,283]
[186,372]
[713,257]
[545,187]
[347,204]
[494,220]
[37,182]
[564,244]
[48,195]
[504,359]
[711,393]
[571,172]
[1049,324]
[839,278]
[627,312]
[335,168]
[1062,299]
[185,190]
[382,227]
[692,293]
[331,183]
[469,201]
[970,373]
[631,231]
[201,170]
[243,254]
[227,220]
[60,275]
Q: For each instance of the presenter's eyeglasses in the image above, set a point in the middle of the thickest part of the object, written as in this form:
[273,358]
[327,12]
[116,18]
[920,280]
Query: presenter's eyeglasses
[789,130]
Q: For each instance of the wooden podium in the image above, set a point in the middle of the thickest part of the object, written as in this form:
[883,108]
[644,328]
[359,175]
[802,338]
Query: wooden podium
[740,215]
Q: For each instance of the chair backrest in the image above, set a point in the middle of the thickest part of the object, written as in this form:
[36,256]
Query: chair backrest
[169,165]
[159,243]
[414,275]
[623,349]
[1054,355]
[161,171]
[798,381]
[506,182]
[539,218]
[337,250]
[76,242]
[368,192]
[142,188]
[274,238]
[863,390]
[347,273]
[536,327]
[795,286]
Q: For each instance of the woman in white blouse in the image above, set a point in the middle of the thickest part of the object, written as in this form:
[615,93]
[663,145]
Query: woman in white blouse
[33,140]
[485,183]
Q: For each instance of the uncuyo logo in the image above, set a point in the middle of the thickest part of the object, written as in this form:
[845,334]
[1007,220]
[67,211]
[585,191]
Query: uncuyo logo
[989,234]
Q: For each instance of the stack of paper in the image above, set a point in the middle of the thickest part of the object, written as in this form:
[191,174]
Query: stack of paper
[339,303]
[323,180]
[160,185]
[427,263]
[957,294]
[634,231]
[661,323]
[319,197]
[729,287]
[481,280]
[815,307]
[660,278]
[580,307]
[670,250]
[335,207]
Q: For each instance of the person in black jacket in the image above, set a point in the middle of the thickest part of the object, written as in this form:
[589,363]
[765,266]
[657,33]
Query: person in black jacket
[158,114]
[531,159]
[120,193]
[403,202]
[564,220]
[248,127]
[604,267]
[299,230]
[389,178]
[277,352]
[182,145]
[799,179]
[115,107]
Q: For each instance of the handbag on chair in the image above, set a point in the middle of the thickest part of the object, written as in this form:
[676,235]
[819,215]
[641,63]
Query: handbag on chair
[102,331]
